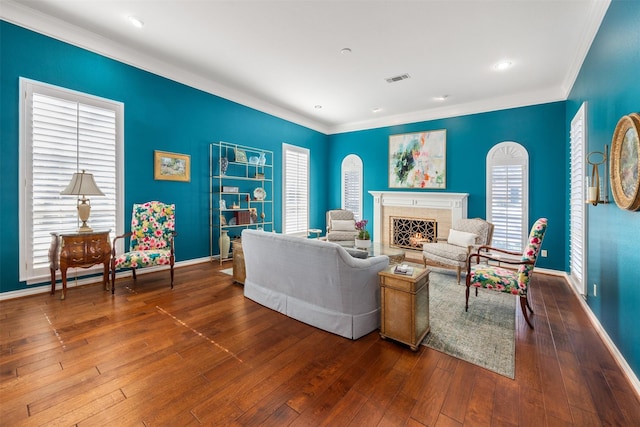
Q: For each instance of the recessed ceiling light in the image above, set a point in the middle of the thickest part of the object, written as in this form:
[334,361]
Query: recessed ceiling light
[441,98]
[345,51]
[136,22]
[318,107]
[503,65]
[376,109]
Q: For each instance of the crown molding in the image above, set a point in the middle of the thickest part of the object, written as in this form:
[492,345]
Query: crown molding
[63,31]
[60,30]
[484,106]
[596,15]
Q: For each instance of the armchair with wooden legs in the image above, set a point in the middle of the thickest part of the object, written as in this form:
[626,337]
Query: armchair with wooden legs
[515,282]
[151,240]
[465,236]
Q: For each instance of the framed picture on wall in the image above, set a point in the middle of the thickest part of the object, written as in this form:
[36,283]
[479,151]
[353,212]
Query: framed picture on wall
[418,160]
[625,162]
[171,166]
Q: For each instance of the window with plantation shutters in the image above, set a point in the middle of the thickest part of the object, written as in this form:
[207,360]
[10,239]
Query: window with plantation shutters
[63,132]
[295,172]
[508,194]
[577,201]
[352,185]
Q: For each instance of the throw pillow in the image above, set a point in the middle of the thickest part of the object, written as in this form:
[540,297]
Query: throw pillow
[357,253]
[461,238]
[343,225]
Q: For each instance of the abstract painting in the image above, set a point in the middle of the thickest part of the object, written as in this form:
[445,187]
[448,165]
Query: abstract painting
[418,160]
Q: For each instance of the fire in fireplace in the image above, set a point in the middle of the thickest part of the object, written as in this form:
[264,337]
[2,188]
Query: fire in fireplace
[411,233]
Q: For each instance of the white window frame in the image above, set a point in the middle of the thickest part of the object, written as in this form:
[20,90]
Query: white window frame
[351,183]
[295,178]
[509,156]
[32,265]
[577,205]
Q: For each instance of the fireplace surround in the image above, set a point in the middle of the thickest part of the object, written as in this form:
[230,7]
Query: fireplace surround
[445,208]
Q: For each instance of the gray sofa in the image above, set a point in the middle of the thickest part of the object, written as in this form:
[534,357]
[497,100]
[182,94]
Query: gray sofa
[313,281]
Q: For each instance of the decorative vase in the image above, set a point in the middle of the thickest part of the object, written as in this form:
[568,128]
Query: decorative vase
[224,164]
[262,159]
[362,243]
[225,244]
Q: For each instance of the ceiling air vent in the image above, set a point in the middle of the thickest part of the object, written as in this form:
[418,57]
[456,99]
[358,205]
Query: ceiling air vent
[397,78]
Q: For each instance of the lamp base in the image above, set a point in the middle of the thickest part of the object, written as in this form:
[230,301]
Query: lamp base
[84,228]
[84,210]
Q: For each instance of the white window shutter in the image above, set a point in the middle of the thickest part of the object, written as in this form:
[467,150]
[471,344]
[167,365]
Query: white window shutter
[352,185]
[64,132]
[507,195]
[577,206]
[295,166]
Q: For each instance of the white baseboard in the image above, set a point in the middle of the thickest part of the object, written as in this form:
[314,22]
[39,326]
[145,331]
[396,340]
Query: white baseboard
[72,283]
[619,358]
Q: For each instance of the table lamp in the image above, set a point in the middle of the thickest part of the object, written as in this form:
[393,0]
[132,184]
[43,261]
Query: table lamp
[83,184]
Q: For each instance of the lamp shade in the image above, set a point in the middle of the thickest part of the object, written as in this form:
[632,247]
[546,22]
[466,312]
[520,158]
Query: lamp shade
[82,184]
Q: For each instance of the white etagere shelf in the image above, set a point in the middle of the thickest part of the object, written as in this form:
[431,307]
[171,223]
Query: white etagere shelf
[240,192]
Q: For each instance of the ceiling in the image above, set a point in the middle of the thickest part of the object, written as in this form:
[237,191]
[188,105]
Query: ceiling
[286,57]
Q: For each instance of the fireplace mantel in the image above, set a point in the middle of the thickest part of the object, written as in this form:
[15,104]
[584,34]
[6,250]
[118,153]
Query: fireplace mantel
[456,203]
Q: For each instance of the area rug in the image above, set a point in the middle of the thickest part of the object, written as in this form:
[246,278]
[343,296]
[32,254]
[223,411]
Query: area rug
[484,336]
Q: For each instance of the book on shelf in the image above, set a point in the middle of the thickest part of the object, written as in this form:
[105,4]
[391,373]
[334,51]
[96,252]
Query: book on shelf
[403,269]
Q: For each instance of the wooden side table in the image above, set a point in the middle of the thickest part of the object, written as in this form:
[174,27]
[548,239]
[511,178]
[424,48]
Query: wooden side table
[239,273]
[404,306]
[78,250]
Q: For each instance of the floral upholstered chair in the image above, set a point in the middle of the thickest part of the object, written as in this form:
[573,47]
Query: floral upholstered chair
[500,279]
[150,239]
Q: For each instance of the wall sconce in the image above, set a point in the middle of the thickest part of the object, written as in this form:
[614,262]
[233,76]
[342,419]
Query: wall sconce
[597,190]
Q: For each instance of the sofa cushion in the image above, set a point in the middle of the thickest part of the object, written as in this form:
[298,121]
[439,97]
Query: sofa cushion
[343,225]
[461,238]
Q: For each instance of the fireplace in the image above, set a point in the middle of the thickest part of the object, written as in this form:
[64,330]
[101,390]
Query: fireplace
[442,207]
[411,233]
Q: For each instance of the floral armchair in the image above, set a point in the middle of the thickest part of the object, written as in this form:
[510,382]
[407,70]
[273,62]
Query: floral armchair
[150,240]
[500,279]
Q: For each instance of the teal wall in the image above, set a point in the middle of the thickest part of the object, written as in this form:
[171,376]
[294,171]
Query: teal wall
[540,129]
[609,82]
[160,114]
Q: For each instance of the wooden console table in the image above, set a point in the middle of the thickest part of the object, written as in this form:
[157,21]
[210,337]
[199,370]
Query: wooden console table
[404,306]
[78,250]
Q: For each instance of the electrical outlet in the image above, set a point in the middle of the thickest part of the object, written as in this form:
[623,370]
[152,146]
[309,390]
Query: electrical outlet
[544,253]
[595,290]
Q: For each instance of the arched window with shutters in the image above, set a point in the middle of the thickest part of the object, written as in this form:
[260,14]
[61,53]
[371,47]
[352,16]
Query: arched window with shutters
[508,194]
[352,185]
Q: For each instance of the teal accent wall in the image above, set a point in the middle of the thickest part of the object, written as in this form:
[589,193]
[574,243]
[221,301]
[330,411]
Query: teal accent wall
[160,114]
[540,129]
[609,83]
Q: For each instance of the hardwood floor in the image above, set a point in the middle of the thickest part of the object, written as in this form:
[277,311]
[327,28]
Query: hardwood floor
[203,354]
